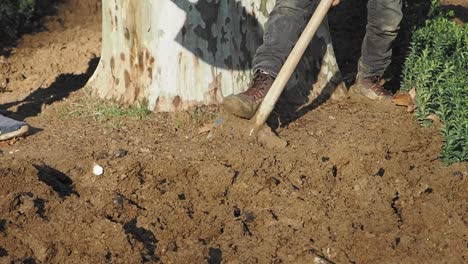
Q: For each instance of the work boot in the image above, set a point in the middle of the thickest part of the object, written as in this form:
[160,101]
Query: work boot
[372,88]
[245,104]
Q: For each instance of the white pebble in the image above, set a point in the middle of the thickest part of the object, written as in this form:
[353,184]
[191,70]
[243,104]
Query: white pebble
[98,170]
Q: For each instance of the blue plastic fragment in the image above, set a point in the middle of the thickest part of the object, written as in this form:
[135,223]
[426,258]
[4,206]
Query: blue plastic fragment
[219,121]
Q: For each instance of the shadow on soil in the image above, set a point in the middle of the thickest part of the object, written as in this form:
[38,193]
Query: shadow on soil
[60,89]
[460,12]
[286,113]
[57,180]
[144,236]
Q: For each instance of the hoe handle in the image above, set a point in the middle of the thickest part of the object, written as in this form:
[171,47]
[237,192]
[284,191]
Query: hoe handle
[290,65]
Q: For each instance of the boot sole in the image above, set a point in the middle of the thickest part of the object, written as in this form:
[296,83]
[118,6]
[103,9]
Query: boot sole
[23,130]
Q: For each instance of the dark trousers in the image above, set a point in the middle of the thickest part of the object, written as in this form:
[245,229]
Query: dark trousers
[289,18]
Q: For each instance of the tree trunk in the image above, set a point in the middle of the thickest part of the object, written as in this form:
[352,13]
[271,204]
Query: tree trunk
[174,54]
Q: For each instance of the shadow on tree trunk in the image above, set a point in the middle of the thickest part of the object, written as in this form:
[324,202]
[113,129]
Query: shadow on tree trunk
[192,33]
[296,95]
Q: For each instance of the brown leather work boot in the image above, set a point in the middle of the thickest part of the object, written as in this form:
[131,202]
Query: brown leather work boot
[246,104]
[372,88]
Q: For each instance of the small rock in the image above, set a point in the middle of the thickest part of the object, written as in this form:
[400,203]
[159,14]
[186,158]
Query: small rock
[120,153]
[98,170]
[14,151]
[210,135]
[249,217]
[145,150]
[428,191]
[118,201]
[380,173]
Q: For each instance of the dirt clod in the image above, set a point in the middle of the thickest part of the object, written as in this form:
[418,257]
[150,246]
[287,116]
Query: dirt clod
[39,204]
[215,256]
[381,172]
[3,252]
[3,225]
[120,153]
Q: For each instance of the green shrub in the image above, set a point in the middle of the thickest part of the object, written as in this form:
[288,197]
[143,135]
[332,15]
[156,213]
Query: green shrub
[14,15]
[437,67]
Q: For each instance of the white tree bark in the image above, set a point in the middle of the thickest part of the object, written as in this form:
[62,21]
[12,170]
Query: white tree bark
[174,54]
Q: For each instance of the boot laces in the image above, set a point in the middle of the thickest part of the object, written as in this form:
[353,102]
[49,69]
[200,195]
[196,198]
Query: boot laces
[377,86]
[258,87]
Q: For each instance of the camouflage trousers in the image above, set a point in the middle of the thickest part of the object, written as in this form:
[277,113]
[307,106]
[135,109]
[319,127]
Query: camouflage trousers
[289,18]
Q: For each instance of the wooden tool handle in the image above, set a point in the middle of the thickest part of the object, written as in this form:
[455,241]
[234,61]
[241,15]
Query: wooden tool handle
[290,65]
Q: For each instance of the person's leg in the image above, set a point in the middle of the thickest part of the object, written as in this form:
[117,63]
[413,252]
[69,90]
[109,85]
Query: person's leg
[10,128]
[285,24]
[383,23]
[282,30]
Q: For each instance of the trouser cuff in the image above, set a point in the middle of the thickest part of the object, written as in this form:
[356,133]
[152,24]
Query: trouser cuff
[268,70]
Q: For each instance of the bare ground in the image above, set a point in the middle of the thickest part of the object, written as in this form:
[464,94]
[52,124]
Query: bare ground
[358,182]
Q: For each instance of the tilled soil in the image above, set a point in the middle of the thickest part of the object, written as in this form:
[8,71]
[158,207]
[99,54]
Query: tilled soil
[358,182]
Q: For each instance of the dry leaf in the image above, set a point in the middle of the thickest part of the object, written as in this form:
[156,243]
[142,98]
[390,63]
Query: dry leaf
[412,94]
[205,129]
[435,119]
[402,99]
[406,99]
